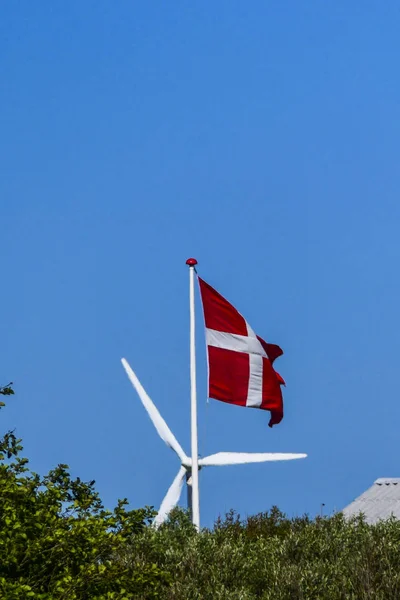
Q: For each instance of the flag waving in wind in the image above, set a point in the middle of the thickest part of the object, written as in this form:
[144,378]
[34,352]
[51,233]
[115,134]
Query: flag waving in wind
[239,361]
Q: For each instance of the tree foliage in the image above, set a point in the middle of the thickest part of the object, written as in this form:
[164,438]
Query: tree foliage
[58,542]
[271,557]
[6,390]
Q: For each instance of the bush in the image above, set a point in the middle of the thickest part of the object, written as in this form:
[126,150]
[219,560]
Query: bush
[57,541]
[271,557]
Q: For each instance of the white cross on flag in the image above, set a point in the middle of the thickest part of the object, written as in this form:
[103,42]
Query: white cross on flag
[239,361]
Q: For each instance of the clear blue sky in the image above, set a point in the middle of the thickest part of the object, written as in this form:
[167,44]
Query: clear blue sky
[261,138]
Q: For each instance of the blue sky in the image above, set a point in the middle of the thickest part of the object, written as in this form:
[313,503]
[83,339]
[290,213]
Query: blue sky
[261,138]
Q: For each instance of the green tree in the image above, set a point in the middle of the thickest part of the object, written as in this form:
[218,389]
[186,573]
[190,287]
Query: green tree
[57,541]
[271,557]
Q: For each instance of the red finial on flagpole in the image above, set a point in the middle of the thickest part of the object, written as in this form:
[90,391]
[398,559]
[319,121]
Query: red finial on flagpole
[191,262]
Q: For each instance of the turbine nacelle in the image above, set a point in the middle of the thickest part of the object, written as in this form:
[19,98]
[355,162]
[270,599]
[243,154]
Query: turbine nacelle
[214,460]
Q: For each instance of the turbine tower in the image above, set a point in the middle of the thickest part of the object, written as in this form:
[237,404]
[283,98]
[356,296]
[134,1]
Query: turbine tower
[214,460]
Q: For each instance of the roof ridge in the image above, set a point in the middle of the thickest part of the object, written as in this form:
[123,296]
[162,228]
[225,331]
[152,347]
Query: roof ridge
[382,480]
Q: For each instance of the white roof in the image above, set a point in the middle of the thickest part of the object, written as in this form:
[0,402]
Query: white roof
[379,502]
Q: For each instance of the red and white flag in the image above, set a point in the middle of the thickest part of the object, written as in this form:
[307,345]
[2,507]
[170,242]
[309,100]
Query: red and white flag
[239,361]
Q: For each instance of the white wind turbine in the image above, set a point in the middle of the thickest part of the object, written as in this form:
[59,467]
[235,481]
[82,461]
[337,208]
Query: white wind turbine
[214,460]
[190,465]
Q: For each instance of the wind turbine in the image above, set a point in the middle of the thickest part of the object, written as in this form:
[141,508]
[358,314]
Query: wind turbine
[190,465]
[214,460]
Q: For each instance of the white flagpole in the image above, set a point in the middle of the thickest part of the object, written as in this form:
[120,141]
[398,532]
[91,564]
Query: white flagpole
[192,262]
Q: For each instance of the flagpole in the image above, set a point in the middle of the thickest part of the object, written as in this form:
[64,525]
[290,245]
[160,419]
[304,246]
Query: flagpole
[192,262]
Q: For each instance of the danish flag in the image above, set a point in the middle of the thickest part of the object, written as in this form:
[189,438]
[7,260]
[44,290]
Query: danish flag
[239,361]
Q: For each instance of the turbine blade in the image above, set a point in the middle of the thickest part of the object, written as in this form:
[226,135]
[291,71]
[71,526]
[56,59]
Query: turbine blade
[239,458]
[171,499]
[163,430]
